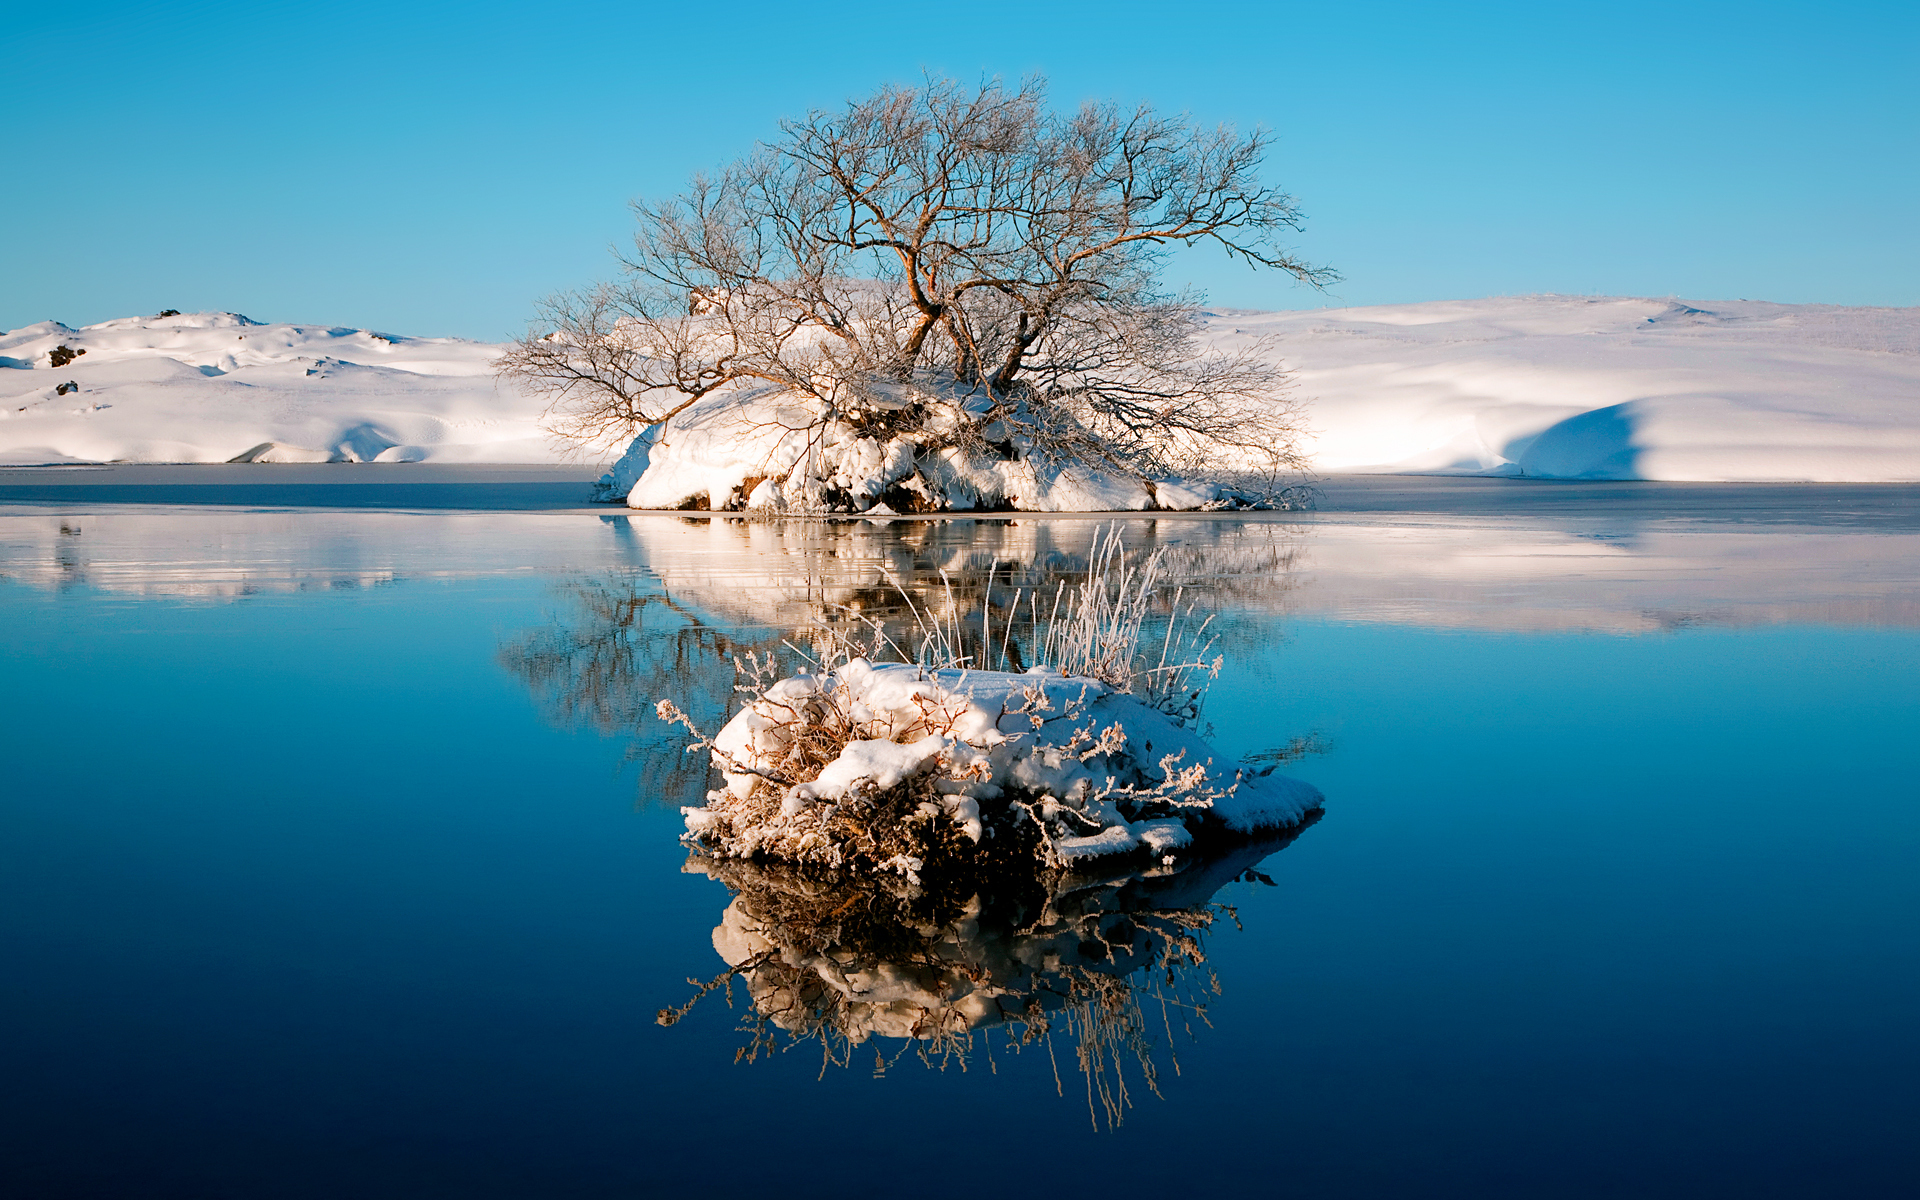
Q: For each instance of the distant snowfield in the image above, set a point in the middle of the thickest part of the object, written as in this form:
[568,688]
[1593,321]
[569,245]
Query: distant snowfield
[211,387]
[1569,387]
[1547,386]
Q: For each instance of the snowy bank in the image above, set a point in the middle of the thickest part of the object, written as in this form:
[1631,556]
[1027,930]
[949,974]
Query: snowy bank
[896,767]
[218,387]
[1552,387]
[1570,387]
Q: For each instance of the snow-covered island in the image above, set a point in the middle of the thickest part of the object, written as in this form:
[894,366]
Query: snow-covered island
[894,767]
[1551,387]
[926,851]
[937,764]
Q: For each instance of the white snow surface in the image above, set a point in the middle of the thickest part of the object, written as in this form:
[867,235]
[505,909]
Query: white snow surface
[1571,387]
[977,729]
[211,387]
[1554,387]
[766,449]
[1564,387]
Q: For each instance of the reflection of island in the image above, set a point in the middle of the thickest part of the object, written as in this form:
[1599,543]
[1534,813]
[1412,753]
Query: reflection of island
[1532,571]
[797,573]
[1111,966]
[620,641]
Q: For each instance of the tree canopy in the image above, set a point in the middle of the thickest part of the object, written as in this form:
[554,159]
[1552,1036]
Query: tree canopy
[944,238]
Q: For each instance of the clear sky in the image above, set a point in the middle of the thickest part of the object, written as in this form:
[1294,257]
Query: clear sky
[432,169]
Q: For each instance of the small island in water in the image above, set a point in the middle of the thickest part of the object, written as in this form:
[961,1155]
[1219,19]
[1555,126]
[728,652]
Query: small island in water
[921,848]
[934,763]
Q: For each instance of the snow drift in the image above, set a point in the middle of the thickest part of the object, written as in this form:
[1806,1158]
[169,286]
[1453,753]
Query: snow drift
[1568,387]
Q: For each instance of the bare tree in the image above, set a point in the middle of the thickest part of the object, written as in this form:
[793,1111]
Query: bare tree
[945,240]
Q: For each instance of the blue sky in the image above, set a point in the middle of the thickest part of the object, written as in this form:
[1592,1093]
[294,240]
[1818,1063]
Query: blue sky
[432,169]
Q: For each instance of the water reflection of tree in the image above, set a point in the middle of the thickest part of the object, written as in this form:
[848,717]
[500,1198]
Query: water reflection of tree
[1113,969]
[617,647]
[619,642]
[1001,599]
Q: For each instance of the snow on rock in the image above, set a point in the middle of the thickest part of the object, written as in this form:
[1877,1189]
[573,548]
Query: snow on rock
[1182,497]
[715,447]
[928,762]
[218,387]
[1114,839]
[767,449]
[1571,387]
[613,487]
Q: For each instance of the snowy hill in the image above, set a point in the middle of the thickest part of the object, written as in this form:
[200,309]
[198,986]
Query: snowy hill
[209,387]
[1549,386]
[1570,387]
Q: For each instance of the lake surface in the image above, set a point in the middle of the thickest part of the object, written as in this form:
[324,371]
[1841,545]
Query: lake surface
[338,858]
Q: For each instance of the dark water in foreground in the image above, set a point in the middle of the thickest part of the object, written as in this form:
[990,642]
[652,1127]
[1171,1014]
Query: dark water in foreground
[336,860]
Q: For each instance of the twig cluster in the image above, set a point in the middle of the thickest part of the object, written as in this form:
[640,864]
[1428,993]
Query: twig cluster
[938,240]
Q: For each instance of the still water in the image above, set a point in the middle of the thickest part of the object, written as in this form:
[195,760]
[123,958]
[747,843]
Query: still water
[338,858]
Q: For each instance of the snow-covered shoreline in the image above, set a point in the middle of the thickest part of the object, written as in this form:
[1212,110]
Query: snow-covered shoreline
[1551,387]
[1548,387]
[1571,387]
[219,387]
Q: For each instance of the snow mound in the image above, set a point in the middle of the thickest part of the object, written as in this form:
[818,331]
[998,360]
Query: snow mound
[770,450]
[219,387]
[892,766]
[280,452]
[1569,387]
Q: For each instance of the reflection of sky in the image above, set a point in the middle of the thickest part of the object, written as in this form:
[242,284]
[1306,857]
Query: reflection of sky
[306,888]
